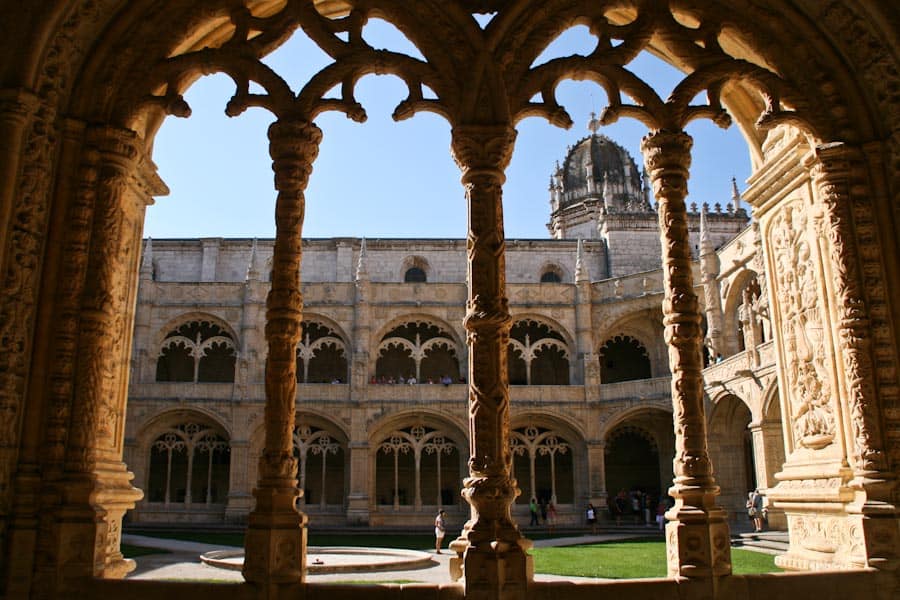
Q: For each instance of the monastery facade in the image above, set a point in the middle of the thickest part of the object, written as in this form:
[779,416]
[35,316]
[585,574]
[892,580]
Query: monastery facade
[382,363]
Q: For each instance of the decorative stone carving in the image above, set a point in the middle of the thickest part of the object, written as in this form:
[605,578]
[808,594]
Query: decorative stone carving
[807,379]
[835,176]
[698,538]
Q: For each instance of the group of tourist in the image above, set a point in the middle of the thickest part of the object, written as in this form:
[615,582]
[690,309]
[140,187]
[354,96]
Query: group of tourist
[411,380]
[638,506]
[547,511]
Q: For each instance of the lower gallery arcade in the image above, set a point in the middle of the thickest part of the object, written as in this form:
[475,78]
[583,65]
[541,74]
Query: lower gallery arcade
[84,87]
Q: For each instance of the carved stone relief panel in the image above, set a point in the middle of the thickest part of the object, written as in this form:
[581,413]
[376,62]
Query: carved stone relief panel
[807,381]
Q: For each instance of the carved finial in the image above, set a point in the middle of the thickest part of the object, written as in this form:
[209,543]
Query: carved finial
[705,243]
[580,270]
[362,273]
[593,124]
[735,195]
[253,265]
[645,186]
[147,261]
[607,192]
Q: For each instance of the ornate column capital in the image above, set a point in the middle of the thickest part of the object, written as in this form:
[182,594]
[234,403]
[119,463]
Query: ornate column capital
[482,149]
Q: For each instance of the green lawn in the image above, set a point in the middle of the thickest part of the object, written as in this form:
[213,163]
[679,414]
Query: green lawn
[611,560]
[630,560]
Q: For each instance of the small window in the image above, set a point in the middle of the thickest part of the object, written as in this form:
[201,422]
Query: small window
[551,277]
[414,275]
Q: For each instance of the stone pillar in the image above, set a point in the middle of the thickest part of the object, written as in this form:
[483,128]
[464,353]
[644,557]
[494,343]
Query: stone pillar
[491,550]
[95,488]
[239,500]
[584,329]
[840,457]
[697,536]
[597,493]
[276,533]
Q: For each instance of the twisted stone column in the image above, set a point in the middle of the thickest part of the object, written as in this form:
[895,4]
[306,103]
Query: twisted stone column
[491,550]
[276,532]
[697,537]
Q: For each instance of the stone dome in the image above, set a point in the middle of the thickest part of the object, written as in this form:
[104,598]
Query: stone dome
[597,161]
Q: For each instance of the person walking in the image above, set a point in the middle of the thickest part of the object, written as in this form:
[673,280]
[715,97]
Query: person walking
[533,507]
[440,528]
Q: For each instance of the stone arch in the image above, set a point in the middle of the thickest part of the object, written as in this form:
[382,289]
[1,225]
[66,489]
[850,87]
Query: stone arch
[418,346]
[734,331]
[539,352]
[638,449]
[417,458]
[98,51]
[731,451]
[185,464]
[623,358]
[549,454]
[323,353]
[645,327]
[197,348]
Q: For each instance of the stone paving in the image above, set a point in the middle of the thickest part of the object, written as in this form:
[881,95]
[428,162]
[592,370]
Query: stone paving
[183,563]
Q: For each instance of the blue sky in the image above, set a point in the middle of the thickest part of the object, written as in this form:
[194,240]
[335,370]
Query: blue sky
[388,179]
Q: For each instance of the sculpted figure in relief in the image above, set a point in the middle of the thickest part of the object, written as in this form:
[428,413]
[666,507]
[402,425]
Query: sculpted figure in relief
[812,417]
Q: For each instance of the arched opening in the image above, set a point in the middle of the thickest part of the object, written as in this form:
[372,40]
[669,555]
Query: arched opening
[417,467]
[551,275]
[321,456]
[199,352]
[188,471]
[108,287]
[537,354]
[416,352]
[321,355]
[637,454]
[731,450]
[415,275]
[543,462]
[623,358]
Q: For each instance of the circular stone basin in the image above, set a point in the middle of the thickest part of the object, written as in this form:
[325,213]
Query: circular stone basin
[335,559]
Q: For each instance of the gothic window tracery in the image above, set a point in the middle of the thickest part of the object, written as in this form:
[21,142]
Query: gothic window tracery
[537,354]
[198,352]
[547,458]
[417,349]
[417,465]
[321,355]
[320,474]
[189,464]
[623,358]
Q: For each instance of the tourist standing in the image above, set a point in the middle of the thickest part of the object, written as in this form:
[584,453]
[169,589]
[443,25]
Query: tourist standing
[533,507]
[591,516]
[440,527]
[755,509]
[551,517]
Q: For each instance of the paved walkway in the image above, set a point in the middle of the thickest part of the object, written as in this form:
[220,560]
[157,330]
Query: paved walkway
[183,563]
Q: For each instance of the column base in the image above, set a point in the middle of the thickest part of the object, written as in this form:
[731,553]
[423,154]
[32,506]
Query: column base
[275,541]
[500,571]
[698,542]
[358,510]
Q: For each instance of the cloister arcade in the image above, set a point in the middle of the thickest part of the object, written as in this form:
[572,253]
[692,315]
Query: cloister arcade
[813,87]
